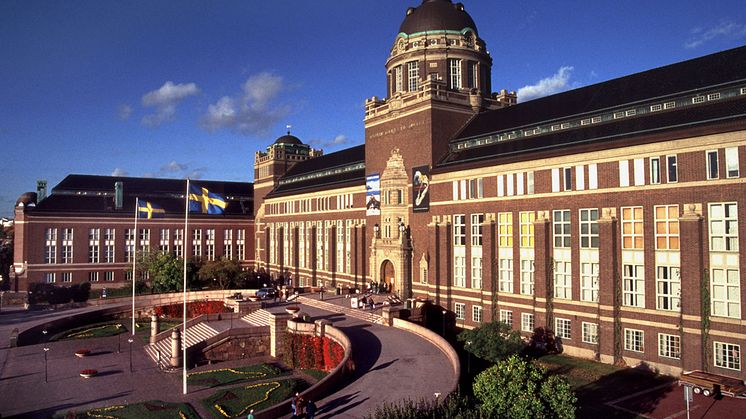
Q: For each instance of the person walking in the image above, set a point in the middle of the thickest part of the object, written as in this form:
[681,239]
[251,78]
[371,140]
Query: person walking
[310,409]
[250,415]
[294,405]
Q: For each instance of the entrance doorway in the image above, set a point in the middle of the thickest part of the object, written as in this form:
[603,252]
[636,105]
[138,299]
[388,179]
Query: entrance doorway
[387,275]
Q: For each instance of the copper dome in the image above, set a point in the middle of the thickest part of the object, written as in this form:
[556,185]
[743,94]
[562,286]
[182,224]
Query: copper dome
[437,15]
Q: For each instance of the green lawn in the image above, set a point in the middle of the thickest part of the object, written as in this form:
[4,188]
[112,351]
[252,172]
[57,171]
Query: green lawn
[96,330]
[237,401]
[154,409]
[317,374]
[218,377]
[143,326]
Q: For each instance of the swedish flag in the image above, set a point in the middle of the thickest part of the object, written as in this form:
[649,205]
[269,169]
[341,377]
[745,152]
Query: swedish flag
[204,201]
[146,209]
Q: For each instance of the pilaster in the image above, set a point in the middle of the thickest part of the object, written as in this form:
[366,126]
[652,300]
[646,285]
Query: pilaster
[692,267]
[609,292]
[543,290]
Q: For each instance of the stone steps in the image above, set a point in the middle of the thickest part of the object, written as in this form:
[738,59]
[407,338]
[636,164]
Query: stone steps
[348,311]
[195,334]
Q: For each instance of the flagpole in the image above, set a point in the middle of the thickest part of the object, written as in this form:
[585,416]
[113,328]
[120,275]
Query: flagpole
[134,263]
[185,236]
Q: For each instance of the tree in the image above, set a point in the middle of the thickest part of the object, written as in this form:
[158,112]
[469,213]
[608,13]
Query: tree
[166,271]
[225,272]
[492,341]
[518,388]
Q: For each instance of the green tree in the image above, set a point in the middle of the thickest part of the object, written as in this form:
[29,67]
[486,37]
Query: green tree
[224,272]
[166,271]
[520,389]
[492,341]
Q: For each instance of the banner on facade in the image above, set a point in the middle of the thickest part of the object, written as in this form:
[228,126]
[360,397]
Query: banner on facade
[421,188]
[373,194]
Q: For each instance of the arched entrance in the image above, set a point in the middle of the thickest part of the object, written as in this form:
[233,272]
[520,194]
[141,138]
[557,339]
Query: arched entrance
[387,275]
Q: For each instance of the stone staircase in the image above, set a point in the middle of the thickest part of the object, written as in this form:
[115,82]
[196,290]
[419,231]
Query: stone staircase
[195,334]
[346,310]
[257,318]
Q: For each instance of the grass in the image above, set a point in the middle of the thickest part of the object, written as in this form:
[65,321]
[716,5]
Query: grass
[95,330]
[237,401]
[143,326]
[219,377]
[154,409]
[317,374]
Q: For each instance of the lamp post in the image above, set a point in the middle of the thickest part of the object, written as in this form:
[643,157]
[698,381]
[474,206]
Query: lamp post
[46,376]
[437,397]
[130,340]
[119,338]
[444,323]
[468,358]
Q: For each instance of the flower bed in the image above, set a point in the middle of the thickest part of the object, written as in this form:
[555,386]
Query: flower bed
[236,402]
[80,353]
[194,309]
[312,352]
[88,373]
[154,409]
[224,376]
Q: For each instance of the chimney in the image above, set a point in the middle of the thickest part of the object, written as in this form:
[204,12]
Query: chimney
[118,195]
[41,190]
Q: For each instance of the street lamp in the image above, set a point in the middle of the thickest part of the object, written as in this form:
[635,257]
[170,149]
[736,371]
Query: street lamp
[468,359]
[44,333]
[437,397]
[130,340]
[444,323]
[46,376]
[119,338]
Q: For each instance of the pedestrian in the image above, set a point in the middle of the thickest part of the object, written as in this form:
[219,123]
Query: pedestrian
[310,409]
[251,414]
[294,405]
[321,293]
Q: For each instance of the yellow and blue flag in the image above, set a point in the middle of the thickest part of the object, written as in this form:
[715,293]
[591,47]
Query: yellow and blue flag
[146,209]
[204,201]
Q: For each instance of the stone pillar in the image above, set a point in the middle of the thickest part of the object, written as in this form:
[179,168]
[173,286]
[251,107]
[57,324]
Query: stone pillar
[543,290]
[321,327]
[609,292]
[154,327]
[278,323]
[692,267]
[176,348]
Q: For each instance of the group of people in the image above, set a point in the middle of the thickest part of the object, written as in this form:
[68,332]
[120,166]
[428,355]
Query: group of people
[300,407]
[367,302]
[378,287]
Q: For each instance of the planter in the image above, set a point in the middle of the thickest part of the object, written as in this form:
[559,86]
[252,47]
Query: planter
[88,373]
[80,353]
[292,310]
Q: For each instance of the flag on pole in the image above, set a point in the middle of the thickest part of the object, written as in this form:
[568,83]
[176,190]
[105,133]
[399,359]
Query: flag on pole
[206,202]
[147,209]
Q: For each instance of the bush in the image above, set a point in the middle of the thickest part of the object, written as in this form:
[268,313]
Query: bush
[80,292]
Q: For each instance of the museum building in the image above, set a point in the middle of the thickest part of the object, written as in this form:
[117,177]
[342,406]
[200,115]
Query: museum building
[608,214]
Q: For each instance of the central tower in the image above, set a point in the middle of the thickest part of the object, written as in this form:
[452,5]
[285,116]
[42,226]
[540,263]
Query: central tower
[438,76]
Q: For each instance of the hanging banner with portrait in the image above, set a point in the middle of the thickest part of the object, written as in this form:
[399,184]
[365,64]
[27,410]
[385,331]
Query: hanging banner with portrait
[373,194]
[421,189]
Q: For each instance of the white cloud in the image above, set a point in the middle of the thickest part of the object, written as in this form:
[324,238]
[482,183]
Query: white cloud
[339,139]
[119,172]
[164,101]
[174,166]
[253,111]
[726,29]
[556,83]
[124,112]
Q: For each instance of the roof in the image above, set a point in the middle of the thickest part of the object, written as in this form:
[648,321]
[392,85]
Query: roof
[436,15]
[289,139]
[339,169]
[91,194]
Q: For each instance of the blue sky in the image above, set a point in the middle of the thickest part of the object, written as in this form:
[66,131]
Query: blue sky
[192,88]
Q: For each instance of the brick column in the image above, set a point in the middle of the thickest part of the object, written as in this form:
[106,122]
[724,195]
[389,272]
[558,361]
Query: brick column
[609,292]
[543,285]
[313,254]
[445,279]
[278,323]
[489,258]
[692,267]
[433,249]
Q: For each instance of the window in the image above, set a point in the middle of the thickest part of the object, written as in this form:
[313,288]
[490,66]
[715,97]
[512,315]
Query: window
[163,240]
[723,227]
[241,244]
[527,322]
[590,332]
[459,271]
[567,179]
[476,272]
[668,287]
[476,188]
[563,328]
[561,228]
[634,285]
[109,236]
[472,76]
[639,171]
[589,228]
[505,275]
[129,244]
[50,245]
[731,162]
[713,96]
[527,228]
[527,277]
[228,245]
[477,314]
[398,79]
[698,99]
[624,173]
[210,243]
[669,346]
[179,243]
[656,108]
[505,229]
[459,230]
[667,227]
[92,276]
[67,277]
[712,164]
[632,233]
[67,245]
[50,277]
[197,243]
[589,281]
[413,76]
[476,229]
[631,112]
[454,73]
[672,169]
[94,236]
[109,276]
[506,316]
[655,170]
[530,183]
[726,293]
[727,355]
[634,340]
[562,280]
[460,309]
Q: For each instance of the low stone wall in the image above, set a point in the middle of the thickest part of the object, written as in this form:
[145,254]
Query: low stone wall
[153,300]
[436,340]
[34,335]
[323,387]
[236,343]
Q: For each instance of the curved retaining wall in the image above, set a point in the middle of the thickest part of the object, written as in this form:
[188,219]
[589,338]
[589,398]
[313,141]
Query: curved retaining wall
[436,340]
[322,388]
[152,300]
